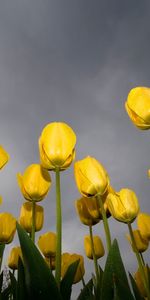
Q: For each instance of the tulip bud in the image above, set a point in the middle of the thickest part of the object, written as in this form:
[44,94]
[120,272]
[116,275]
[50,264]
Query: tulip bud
[138,107]
[123,205]
[7,228]
[139,282]
[34,183]
[143,223]
[25,219]
[57,146]
[4,157]
[141,244]
[13,258]
[51,262]
[67,260]
[91,177]
[47,244]
[98,247]
[88,210]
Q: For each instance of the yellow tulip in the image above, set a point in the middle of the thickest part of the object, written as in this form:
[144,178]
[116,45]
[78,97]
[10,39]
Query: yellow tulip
[139,281]
[47,244]
[67,260]
[25,218]
[141,244]
[7,228]
[91,177]
[13,258]
[143,223]
[123,205]
[34,183]
[51,262]
[88,210]
[98,247]
[57,146]
[138,107]
[4,157]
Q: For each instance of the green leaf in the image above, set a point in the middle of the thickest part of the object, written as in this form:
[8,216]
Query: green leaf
[87,292]
[67,281]
[2,247]
[1,281]
[135,288]
[21,287]
[13,285]
[40,282]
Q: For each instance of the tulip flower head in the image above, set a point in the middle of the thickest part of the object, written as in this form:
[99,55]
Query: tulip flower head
[138,107]
[98,247]
[25,218]
[13,258]
[57,146]
[67,260]
[88,210]
[7,228]
[123,205]
[47,244]
[139,281]
[143,223]
[4,157]
[141,244]
[91,177]
[34,183]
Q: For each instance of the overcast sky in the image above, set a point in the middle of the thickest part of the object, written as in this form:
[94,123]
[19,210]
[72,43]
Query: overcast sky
[75,61]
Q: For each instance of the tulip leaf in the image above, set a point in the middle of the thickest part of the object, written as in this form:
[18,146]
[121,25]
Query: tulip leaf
[114,273]
[13,285]
[67,281]
[1,281]
[39,278]
[21,287]
[2,247]
[87,292]
[135,288]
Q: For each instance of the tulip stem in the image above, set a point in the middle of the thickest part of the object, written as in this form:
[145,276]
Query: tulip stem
[93,253]
[33,222]
[105,222]
[58,228]
[140,262]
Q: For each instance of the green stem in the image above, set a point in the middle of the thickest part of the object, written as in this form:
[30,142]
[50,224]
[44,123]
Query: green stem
[142,258]
[105,222]
[140,263]
[93,253]
[83,281]
[58,228]
[33,222]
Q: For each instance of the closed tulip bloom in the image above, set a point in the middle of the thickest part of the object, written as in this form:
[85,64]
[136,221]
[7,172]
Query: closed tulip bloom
[143,223]
[13,258]
[141,244]
[47,244]
[4,157]
[139,281]
[91,177]
[67,260]
[57,146]
[34,183]
[7,228]
[88,210]
[123,205]
[25,218]
[138,107]
[98,247]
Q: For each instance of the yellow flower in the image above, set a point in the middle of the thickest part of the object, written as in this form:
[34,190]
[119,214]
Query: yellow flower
[98,247]
[34,183]
[57,146]
[138,107]
[88,210]
[47,244]
[91,177]
[139,281]
[25,218]
[143,223]
[141,244]
[13,258]
[4,157]
[123,205]
[51,262]
[67,260]
[7,228]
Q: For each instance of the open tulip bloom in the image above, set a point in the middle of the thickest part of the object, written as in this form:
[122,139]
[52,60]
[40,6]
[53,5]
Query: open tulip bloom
[38,269]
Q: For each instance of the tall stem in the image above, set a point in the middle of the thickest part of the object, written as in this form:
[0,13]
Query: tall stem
[140,263]
[105,222]
[58,228]
[33,222]
[93,253]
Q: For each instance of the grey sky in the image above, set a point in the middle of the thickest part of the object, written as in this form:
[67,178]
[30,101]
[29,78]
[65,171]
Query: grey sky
[74,61]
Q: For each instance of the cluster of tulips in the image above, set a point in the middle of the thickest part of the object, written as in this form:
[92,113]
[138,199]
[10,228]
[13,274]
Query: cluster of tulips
[40,270]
